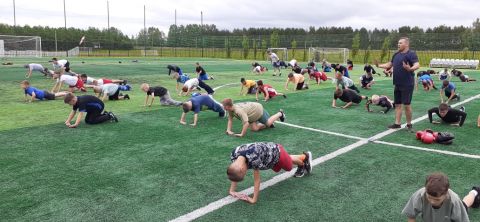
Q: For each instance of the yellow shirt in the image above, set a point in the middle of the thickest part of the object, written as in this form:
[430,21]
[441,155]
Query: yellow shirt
[249,83]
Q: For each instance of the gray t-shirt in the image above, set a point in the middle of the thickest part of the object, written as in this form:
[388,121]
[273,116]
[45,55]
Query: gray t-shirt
[36,67]
[109,89]
[452,208]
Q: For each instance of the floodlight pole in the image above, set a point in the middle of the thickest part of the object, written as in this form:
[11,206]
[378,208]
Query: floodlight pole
[201,30]
[176,37]
[65,20]
[145,30]
[108,26]
[14,16]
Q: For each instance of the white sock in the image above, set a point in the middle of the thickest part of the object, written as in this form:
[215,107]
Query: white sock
[474,192]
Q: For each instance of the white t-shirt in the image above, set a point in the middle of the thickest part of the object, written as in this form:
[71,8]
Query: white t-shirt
[61,63]
[258,69]
[293,62]
[274,57]
[35,67]
[109,89]
[90,80]
[192,83]
[69,80]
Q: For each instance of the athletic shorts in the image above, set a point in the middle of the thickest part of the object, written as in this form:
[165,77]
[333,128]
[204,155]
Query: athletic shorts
[284,161]
[258,69]
[276,64]
[271,92]
[114,96]
[48,96]
[403,95]
[203,76]
[78,85]
[252,90]
[263,120]
[67,65]
[106,81]
[300,85]
[322,76]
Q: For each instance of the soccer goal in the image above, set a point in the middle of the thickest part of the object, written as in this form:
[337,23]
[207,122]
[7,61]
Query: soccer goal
[332,55]
[282,53]
[20,46]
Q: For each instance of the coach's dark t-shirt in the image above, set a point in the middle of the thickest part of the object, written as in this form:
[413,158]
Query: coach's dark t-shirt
[88,104]
[400,76]
[349,96]
[157,90]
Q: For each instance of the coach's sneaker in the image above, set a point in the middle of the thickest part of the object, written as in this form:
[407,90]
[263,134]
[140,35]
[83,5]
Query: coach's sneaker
[113,117]
[410,128]
[476,201]
[395,126]
[307,162]
[126,97]
[282,117]
[300,171]
[462,109]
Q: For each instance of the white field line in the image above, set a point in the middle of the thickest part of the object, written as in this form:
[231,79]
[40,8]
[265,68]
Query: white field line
[320,131]
[429,150]
[229,84]
[286,175]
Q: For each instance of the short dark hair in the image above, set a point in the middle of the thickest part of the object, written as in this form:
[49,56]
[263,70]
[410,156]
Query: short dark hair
[227,102]
[242,79]
[437,184]
[54,59]
[234,174]
[84,75]
[186,107]
[338,92]
[25,82]
[446,82]
[67,69]
[260,82]
[290,75]
[405,38]
[26,66]
[443,107]
[68,98]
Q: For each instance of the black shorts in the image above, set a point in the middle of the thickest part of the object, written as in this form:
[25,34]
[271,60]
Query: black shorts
[276,64]
[300,85]
[48,96]
[114,96]
[403,95]
[67,65]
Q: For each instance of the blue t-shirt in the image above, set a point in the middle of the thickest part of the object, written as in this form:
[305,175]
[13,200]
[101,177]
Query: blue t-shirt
[450,88]
[424,78]
[202,100]
[400,76]
[38,93]
[183,78]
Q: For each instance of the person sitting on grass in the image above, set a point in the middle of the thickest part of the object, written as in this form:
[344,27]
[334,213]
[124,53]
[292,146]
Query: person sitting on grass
[193,84]
[252,114]
[161,92]
[35,67]
[343,82]
[249,85]
[436,202]
[367,81]
[426,80]
[195,104]
[382,101]
[175,69]
[450,91]
[268,91]
[348,96]
[298,80]
[455,117]
[258,69]
[111,91]
[73,83]
[34,93]
[263,156]
[444,75]
[91,105]
[99,82]
[201,73]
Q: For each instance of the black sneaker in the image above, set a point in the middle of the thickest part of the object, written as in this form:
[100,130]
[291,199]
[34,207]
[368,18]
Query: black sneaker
[284,96]
[462,109]
[126,97]
[394,126]
[307,163]
[410,127]
[476,202]
[282,117]
[113,117]
[280,74]
[300,171]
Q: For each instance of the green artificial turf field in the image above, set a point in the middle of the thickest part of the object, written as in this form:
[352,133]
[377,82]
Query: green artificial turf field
[148,167]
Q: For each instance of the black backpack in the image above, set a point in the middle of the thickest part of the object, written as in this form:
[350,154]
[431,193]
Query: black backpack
[445,138]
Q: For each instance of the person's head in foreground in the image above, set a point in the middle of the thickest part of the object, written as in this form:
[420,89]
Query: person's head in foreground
[145,87]
[436,188]
[338,93]
[97,89]
[290,76]
[375,99]
[187,106]
[24,84]
[83,77]
[445,83]
[443,109]
[242,80]
[403,44]
[228,104]
[338,75]
[237,169]
[70,99]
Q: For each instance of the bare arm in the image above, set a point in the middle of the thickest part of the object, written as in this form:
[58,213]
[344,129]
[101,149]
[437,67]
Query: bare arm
[229,125]
[33,97]
[77,122]
[411,220]
[233,187]
[104,97]
[146,100]
[347,105]
[334,103]
[195,119]
[70,117]
[29,73]
[244,130]
[182,118]
[451,96]
[267,97]
[387,65]
[441,95]
[286,84]
[256,187]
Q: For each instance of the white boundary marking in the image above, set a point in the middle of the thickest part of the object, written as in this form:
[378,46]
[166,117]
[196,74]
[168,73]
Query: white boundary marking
[229,84]
[429,150]
[286,175]
[319,130]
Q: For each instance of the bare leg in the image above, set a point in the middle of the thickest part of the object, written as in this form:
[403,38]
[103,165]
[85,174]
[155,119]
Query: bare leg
[61,94]
[273,118]
[298,159]
[408,114]
[469,199]
[398,113]
[257,126]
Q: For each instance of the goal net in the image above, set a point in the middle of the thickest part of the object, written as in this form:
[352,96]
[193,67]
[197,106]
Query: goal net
[282,53]
[20,46]
[331,55]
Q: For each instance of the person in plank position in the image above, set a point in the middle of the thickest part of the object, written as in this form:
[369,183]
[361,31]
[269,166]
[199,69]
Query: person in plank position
[268,91]
[195,104]
[161,92]
[455,117]
[252,114]
[436,202]
[263,156]
[193,84]
[250,87]
[382,101]
[35,94]
[73,83]
[90,105]
[111,91]
[298,80]
[35,67]
[348,96]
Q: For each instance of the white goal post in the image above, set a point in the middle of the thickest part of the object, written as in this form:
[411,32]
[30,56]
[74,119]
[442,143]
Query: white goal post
[282,53]
[20,46]
[332,55]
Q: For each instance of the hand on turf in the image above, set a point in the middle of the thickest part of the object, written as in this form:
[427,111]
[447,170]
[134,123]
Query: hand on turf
[192,124]
[334,107]
[72,126]
[238,135]
[183,122]
[229,132]
[344,107]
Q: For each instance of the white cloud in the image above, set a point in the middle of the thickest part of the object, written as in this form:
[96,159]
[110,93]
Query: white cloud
[230,14]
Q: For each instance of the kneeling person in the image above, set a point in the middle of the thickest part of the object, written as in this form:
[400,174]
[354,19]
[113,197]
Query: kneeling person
[111,91]
[382,101]
[348,96]
[263,156]
[448,115]
[195,104]
[90,105]
[298,80]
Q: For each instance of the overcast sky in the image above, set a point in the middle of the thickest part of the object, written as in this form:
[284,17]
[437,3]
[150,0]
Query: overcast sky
[127,15]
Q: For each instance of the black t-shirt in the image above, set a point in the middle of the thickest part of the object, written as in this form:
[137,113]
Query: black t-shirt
[88,104]
[452,116]
[255,64]
[297,69]
[157,90]
[341,69]
[369,69]
[366,79]
[383,102]
[402,77]
[349,96]
[201,70]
